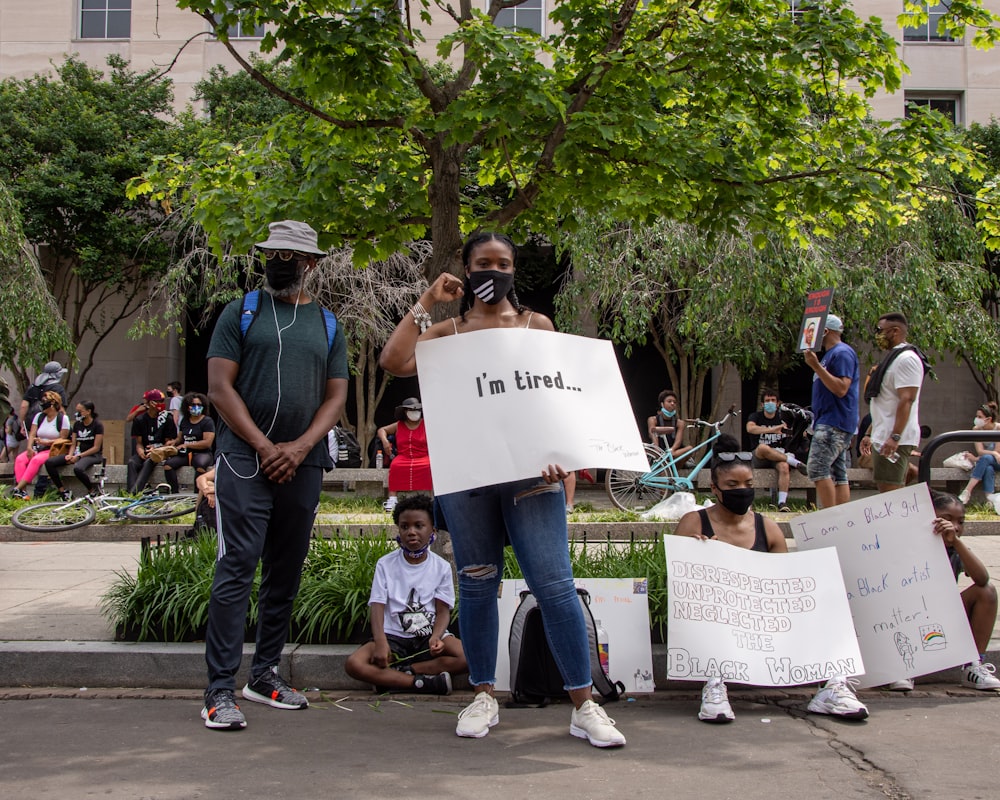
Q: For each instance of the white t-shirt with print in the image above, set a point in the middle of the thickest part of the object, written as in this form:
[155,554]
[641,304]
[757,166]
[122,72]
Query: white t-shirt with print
[408,592]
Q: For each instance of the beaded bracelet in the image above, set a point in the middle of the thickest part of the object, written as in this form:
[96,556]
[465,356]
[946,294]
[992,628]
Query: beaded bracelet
[420,317]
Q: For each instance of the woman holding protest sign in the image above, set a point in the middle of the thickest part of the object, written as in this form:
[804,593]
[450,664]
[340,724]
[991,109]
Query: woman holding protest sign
[732,521]
[530,513]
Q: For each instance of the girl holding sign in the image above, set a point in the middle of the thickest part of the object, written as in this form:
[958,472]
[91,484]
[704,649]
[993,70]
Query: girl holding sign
[979,599]
[530,513]
[732,520]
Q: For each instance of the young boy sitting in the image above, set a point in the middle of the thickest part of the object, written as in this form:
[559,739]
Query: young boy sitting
[411,601]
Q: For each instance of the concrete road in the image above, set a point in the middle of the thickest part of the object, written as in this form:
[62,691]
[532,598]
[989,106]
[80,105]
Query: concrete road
[936,746]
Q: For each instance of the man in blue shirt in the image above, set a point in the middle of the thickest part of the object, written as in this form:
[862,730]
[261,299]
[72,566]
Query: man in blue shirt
[835,412]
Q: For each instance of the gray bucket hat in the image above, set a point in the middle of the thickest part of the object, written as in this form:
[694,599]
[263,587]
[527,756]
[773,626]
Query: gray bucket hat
[51,373]
[291,235]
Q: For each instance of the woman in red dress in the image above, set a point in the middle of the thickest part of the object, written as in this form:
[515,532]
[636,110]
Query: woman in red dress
[410,470]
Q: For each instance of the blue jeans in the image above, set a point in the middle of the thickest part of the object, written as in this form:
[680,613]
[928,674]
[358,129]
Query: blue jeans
[479,521]
[985,471]
[828,454]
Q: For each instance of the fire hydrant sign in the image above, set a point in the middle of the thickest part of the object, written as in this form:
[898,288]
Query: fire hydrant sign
[758,618]
[502,405]
[907,609]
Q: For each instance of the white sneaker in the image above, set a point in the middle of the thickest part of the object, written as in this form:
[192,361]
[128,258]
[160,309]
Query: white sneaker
[478,717]
[592,723]
[902,685]
[980,676]
[715,703]
[965,496]
[390,504]
[838,699]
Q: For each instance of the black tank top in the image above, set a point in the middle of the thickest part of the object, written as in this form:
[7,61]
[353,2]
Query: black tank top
[760,536]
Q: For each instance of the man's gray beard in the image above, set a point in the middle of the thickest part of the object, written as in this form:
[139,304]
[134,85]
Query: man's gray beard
[289,292]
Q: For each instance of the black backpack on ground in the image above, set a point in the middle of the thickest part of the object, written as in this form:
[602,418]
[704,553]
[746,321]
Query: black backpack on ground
[534,676]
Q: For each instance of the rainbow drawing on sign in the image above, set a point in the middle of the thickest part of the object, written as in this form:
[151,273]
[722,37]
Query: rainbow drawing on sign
[932,637]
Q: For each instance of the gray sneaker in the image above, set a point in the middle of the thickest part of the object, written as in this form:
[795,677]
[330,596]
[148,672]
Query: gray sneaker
[273,690]
[221,712]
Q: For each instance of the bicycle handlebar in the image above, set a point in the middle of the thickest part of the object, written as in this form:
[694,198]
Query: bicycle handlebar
[704,423]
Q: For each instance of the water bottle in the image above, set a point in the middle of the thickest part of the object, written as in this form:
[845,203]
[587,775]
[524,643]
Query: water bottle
[378,460]
[602,647]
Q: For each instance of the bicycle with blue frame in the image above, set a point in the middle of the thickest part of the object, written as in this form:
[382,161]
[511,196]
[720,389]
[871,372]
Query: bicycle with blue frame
[64,515]
[635,491]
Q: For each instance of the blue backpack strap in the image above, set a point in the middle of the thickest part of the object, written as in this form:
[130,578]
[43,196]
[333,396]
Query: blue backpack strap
[330,322]
[251,302]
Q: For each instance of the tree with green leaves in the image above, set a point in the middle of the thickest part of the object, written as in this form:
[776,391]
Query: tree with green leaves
[68,145]
[31,327]
[706,301]
[721,115]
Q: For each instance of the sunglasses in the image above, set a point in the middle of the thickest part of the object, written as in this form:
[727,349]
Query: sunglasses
[727,457]
[283,255]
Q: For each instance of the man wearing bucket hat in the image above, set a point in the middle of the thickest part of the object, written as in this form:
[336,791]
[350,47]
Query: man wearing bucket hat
[835,414]
[279,384]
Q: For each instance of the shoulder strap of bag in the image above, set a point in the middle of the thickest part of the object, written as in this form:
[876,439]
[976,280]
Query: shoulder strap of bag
[251,305]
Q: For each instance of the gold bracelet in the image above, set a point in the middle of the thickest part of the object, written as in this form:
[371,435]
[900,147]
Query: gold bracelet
[420,316]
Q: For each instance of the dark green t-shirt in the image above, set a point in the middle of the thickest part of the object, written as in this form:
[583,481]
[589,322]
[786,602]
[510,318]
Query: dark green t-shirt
[282,376]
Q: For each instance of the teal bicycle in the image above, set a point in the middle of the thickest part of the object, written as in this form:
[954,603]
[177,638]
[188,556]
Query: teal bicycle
[637,491]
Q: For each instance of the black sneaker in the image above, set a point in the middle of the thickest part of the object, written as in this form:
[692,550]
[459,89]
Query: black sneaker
[65,495]
[221,712]
[433,684]
[271,689]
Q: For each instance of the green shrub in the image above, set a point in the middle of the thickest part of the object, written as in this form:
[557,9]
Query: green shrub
[168,598]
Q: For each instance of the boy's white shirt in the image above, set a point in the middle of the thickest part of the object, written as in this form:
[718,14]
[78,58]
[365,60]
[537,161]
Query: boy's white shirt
[408,592]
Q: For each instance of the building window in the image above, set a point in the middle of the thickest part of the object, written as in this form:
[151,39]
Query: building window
[799,7]
[246,29]
[928,32]
[105,19]
[948,105]
[529,15]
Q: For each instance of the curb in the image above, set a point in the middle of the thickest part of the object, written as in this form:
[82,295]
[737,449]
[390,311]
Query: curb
[181,666]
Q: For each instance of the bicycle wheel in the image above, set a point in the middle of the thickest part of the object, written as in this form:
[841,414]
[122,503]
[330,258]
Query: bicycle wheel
[626,490]
[162,506]
[48,517]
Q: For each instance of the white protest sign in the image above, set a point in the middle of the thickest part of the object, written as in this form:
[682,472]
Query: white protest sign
[759,618]
[501,405]
[908,612]
[620,605]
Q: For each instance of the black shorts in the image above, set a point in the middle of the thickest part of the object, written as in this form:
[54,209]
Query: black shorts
[410,649]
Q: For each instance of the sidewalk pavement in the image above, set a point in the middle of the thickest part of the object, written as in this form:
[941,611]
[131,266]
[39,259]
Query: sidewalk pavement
[369,748]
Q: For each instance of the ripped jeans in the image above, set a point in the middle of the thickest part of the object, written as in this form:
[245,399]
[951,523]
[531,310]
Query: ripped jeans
[479,521]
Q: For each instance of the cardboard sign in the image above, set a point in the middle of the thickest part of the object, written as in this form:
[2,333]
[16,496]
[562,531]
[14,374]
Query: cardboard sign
[621,606]
[814,319]
[907,609]
[759,618]
[502,405]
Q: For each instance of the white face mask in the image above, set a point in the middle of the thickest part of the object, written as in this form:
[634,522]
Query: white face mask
[978,422]
[413,416]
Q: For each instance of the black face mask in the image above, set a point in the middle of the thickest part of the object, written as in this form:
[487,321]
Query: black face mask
[736,500]
[491,285]
[281,274]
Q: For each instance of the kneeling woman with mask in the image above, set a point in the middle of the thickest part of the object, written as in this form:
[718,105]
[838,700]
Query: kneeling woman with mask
[732,521]
[410,470]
